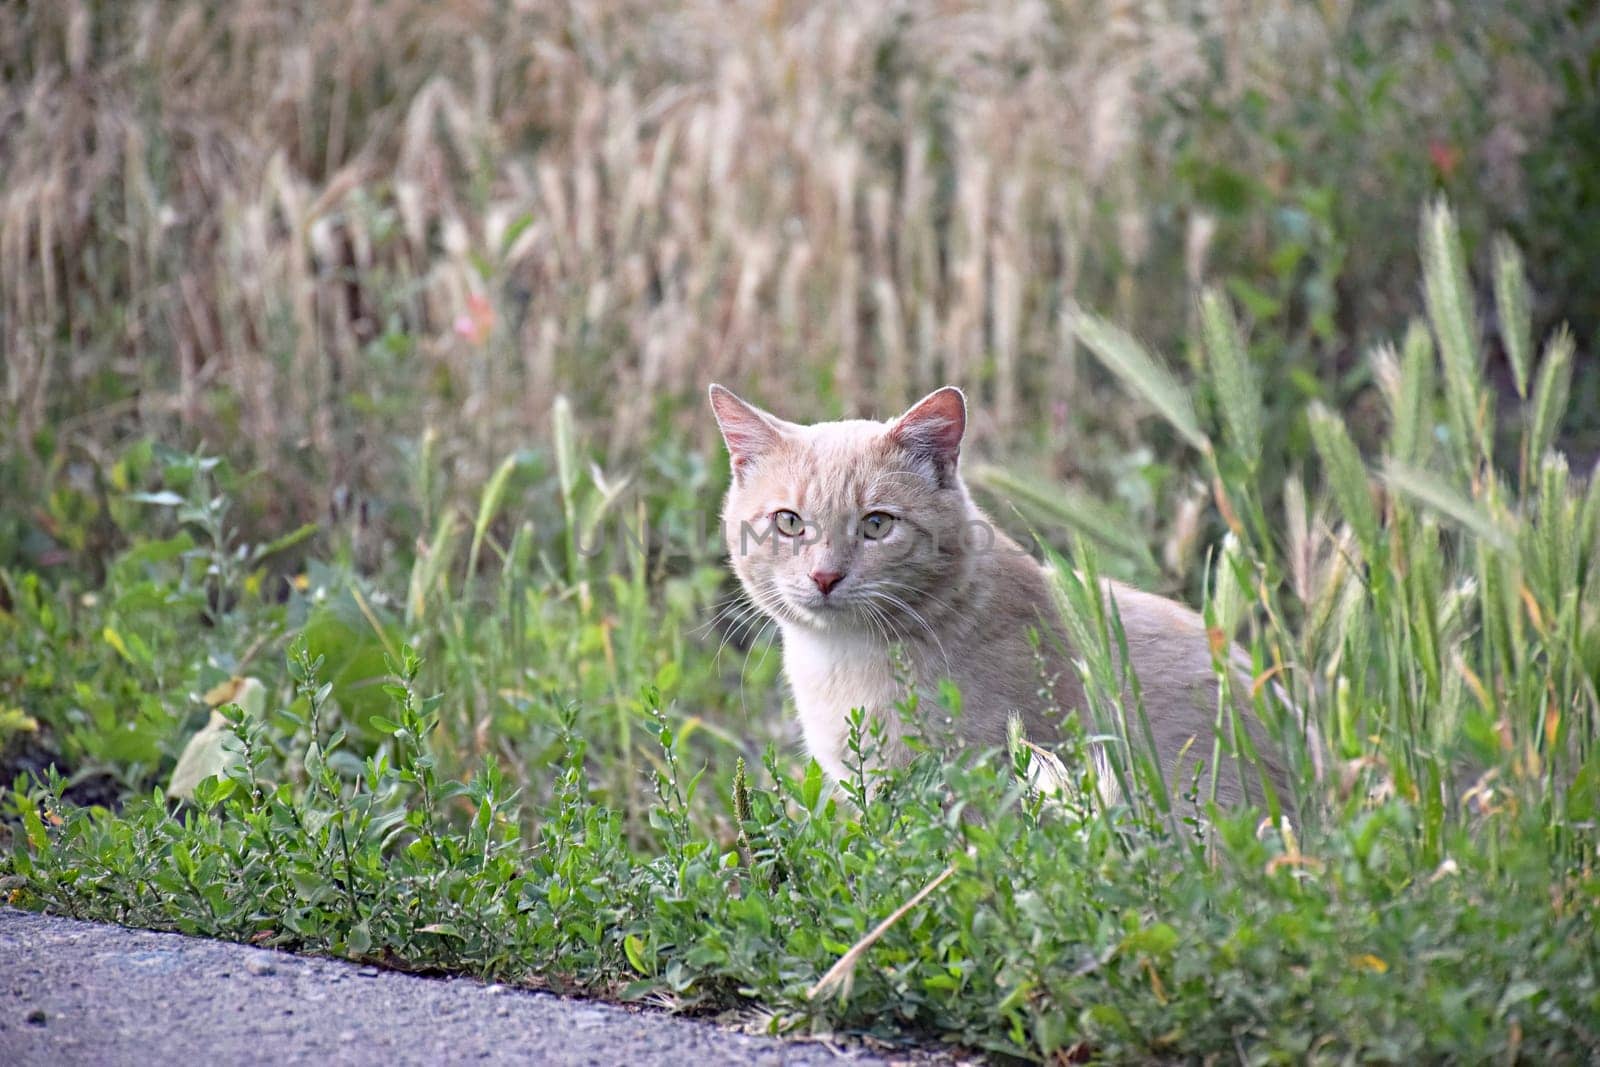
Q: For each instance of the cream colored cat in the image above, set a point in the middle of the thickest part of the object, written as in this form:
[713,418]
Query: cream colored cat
[860,539]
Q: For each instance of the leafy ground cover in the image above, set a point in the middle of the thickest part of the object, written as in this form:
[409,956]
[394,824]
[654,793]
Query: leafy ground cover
[352,445]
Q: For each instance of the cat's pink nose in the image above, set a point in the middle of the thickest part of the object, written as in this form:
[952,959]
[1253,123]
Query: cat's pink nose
[826,580]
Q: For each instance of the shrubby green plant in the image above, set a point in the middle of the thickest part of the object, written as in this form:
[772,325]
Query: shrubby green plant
[1060,933]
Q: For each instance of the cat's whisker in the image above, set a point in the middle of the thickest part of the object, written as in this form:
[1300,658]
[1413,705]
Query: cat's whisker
[721,609]
[740,625]
[917,617]
[771,624]
[728,606]
[766,601]
[734,614]
[762,604]
[915,591]
[733,611]
[878,621]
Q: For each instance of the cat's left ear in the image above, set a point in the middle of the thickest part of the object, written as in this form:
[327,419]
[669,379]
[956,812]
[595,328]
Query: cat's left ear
[932,430]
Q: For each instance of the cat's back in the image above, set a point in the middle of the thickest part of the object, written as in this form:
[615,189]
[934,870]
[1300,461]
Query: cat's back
[1165,638]
[1004,669]
[1016,597]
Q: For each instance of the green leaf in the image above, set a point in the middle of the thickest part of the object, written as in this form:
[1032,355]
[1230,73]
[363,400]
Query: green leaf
[811,786]
[518,227]
[1235,379]
[1158,940]
[1434,494]
[288,540]
[489,505]
[311,885]
[1347,476]
[1072,507]
[633,947]
[1550,395]
[1412,437]
[1455,319]
[668,675]
[209,792]
[1128,360]
[127,647]
[1259,304]
[429,572]
[1511,301]
[441,929]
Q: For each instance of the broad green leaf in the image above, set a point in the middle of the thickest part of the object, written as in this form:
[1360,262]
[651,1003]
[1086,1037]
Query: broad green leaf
[634,948]
[207,755]
[811,786]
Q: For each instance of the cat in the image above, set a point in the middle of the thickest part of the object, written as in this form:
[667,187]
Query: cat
[860,539]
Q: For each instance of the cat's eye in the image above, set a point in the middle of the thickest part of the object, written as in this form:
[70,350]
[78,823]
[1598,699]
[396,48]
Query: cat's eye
[876,525]
[789,523]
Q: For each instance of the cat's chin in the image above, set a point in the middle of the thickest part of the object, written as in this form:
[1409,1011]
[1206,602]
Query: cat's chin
[819,616]
[832,616]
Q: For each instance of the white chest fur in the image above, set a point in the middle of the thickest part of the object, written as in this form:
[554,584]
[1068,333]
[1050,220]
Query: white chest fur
[832,674]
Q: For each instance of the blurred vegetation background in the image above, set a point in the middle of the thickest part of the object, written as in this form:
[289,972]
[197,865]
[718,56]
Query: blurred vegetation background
[354,252]
[302,236]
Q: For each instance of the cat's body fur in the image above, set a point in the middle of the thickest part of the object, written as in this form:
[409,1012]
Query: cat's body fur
[951,606]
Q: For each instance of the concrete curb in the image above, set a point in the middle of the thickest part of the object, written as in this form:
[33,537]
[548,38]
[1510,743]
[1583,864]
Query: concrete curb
[82,993]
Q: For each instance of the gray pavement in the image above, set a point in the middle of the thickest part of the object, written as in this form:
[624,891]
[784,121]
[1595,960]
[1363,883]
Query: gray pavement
[82,993]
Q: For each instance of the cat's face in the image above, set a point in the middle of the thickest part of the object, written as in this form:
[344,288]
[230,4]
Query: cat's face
[847,525]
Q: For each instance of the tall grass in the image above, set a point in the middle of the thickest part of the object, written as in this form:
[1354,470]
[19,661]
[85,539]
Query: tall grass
[1444,629]
[301,231]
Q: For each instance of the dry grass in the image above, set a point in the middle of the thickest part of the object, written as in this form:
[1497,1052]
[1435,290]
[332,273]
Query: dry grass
[293,230]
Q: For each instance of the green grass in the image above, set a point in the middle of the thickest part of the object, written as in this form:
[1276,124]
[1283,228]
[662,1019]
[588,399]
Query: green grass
[518,750]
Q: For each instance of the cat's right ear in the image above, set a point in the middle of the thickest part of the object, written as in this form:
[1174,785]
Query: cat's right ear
[748,431]
[932,430]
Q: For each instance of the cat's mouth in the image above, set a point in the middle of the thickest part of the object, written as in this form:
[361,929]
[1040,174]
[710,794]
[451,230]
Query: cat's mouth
[826,611]
[846,607]
[817,606]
